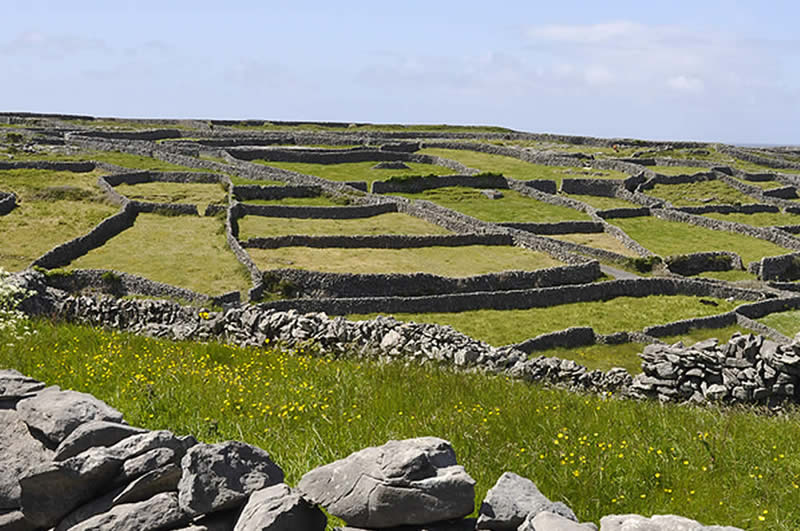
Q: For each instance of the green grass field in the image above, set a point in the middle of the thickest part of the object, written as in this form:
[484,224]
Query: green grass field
[319,200]
[703,192]
[519,169]
[787,323]
[391,223]
[759,219]
[667,238]
[200,194]
[503,327]
[445,261]
[186,251]
[357,171]
[513,206]
[599,455]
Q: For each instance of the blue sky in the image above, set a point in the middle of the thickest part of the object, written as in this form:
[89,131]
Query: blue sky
[705,70]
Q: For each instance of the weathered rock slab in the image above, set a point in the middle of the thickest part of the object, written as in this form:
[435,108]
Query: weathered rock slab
[93,434]
[220,476]
[56,413]
[409,482]
[19,453]
[547,521]
[513,499]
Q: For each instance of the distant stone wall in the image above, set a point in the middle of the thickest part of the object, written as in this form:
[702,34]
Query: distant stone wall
[343,285]
[560,227]
[756,159]
[420,184]
[140,177]
[613,213]
[252,191]
[515,300]
[696,263]
[77,167]
[783,192]
[8,202]
[314,212]
[785,267]
[601,187]
[379,241]
[752,208]
[120,284]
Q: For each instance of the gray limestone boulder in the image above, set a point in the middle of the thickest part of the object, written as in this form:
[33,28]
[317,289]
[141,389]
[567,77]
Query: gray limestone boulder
[136,445]
[278,508]
[409,482]
[50,491]
[450,525]
[220,476]
[56,413]
[513,499]
[547,521]
[159,512]
[15,385]
[19,453]
[666,522]
[93,434]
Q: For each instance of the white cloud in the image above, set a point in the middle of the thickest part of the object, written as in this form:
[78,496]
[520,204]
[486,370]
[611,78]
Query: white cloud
[585,34]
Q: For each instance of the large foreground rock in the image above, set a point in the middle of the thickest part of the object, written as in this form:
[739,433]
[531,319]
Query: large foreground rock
[56,413]
[665,522]
[19,453]
[410,482]
[513,499]
[52,490]
[220,476]
[277,508]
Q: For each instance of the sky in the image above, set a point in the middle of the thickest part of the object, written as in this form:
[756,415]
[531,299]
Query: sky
[707,70]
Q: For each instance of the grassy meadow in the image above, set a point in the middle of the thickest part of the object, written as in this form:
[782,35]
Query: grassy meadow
[391,223]
[598,454]
[667,238]
[598,240]
[513,206]
[186,251]
[461,261]
[699,193]
[519,169]
[358,171]
[200,194]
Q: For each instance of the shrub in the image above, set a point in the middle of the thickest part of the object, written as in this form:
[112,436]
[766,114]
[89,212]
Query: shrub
[645,264]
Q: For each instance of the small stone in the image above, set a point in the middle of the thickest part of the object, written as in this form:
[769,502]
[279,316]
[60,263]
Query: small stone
[513,499]
[547,521]
[159,512]
[14,385]
[278,508]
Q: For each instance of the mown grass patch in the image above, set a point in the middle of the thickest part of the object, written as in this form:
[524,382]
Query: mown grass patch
[787,323]
[601,202]
[702,192]
[600,356]
[519,169]
[127,160]
[186,251]
[598,454]
[759,219]
[732,275]
[391,223]
[32,184]
[503,327]
[512,207]
[200,194]
[764,185]
[445,261]
[667,238]
[598,240]
[701,334]
[357,171]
